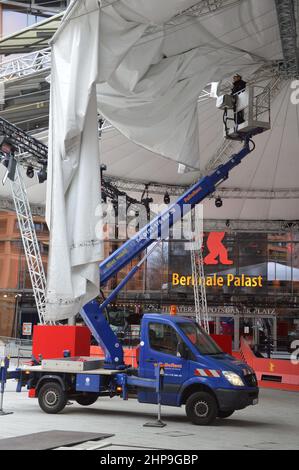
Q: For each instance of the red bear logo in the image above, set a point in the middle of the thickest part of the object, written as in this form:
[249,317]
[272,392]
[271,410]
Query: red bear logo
[217,249]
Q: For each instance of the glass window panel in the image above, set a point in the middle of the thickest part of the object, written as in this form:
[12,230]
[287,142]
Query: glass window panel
[14,21]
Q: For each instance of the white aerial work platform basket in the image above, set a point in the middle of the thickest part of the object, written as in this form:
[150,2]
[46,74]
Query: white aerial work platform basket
[245,112]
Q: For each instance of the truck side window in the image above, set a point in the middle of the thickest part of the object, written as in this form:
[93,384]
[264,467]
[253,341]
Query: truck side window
[163,338]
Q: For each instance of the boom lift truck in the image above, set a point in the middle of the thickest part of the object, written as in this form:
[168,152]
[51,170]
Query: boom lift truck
[196,372]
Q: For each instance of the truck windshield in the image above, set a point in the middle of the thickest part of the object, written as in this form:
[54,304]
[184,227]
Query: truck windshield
[200,339]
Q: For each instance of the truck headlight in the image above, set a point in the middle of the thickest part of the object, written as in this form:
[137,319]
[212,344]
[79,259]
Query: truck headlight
[233,378]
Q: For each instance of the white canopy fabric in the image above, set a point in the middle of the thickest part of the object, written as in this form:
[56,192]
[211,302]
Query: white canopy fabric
[73,191]
[149,66]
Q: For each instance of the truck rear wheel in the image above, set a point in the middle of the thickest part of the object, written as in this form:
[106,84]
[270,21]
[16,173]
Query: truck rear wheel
[225,414]
[201,408]
[51,398]
[87,400]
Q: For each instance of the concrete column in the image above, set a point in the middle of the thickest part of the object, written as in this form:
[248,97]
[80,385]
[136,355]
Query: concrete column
[236,333]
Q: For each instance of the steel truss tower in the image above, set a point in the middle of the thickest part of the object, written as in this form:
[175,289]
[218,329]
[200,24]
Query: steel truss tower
[199,286]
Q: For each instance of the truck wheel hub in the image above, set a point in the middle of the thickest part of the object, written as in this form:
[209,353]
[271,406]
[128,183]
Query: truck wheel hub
[51,398]
[201,409]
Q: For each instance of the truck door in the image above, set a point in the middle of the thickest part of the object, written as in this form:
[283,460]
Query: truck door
[161,346]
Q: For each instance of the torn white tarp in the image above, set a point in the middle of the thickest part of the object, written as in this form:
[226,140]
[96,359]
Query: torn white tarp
[150,66]
[73,193]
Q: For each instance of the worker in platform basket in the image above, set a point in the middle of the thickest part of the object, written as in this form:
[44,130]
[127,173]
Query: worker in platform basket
[238,86]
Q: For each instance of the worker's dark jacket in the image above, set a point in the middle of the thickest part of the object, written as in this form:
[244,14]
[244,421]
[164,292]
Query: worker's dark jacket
[239,86]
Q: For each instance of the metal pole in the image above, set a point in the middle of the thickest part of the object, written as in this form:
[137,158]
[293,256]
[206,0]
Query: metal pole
[160,372]
[236,333]
[159,411]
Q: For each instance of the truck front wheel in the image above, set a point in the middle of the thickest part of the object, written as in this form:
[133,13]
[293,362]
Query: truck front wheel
[51,398]
[201,408]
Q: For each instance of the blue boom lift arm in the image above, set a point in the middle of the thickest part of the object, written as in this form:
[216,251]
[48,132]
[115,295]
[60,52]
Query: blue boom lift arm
[93,312]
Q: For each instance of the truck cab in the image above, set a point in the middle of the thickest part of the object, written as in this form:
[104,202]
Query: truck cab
[197,373]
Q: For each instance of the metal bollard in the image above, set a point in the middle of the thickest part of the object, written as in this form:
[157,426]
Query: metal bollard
[3,377]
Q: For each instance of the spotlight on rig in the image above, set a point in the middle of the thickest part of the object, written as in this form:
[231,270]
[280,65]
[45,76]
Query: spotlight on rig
[30,172]
[218,202]
[42,175]
[147,201]
[167,198]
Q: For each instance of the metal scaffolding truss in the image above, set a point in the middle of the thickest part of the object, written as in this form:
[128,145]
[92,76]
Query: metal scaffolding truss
[200,8]
[286,14]
[30,243]
[225,193]
[30,150]
[199,285]
[237,193]
[205,7]
[262,226]
[26,65]
[138,186]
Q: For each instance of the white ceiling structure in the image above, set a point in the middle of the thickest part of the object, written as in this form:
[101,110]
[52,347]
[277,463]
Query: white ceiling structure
[273,166]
